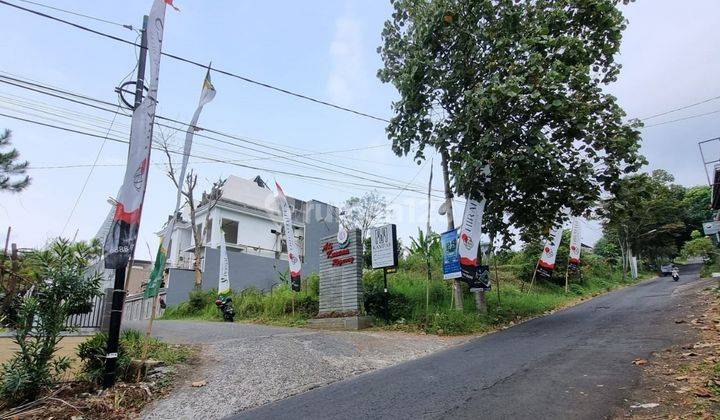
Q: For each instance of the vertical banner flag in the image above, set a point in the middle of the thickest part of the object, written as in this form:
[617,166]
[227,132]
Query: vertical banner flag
[120,241]
[470,238]
[451,260]
[575,244]
[206,95]
[153,285]
[292,247]
[224,280]
[547,259]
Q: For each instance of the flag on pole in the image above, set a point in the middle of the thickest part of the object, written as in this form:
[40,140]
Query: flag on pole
[547,259]
[206,95]
[469,244]
[120,241]
[153,285]
[292,247]
[575,243]
[224,278]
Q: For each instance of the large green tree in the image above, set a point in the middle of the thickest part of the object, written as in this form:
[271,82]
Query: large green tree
[517,85]
[646,215]
[12,172]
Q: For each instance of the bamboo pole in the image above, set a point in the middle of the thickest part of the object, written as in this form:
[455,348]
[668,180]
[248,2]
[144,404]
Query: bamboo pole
[148,334]
[533,277]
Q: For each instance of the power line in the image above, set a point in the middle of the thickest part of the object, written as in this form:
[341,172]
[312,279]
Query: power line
[204,66]
[681,108]
[281,172]
[307,156]
[684,118]
[130,27]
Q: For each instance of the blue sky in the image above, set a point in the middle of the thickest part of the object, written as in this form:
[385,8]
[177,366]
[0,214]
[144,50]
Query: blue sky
[325,49]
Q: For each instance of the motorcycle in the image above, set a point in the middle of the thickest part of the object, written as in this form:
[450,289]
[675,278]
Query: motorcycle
[676,276]
[224,303]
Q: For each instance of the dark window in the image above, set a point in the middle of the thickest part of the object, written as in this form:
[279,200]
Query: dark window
[230,227]
[208,230]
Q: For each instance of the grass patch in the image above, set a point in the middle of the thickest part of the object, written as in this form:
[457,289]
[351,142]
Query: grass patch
[407,298]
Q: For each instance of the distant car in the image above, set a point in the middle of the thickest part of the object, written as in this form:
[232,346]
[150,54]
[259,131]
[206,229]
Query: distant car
[666,269]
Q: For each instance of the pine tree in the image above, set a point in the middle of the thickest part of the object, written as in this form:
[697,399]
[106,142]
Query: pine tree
[11,172]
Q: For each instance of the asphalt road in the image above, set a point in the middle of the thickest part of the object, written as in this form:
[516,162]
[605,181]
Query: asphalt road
[576,364]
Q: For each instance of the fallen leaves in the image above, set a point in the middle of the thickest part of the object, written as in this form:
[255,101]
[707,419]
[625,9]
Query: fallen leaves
[198,384]
[639,362]
[703,392]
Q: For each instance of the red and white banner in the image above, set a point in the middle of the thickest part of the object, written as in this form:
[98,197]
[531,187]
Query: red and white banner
[120,241]
[575,242]
[293,249]
[547,259]
[470,237]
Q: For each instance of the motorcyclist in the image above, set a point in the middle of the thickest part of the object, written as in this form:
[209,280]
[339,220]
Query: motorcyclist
[675,274]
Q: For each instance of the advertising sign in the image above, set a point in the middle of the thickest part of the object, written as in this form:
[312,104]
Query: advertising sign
[470,238]
[481,281]
[383,244]
[451,259]
[712,227]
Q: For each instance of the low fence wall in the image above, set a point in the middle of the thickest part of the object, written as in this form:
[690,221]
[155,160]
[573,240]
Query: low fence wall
[90,320]
[137,308]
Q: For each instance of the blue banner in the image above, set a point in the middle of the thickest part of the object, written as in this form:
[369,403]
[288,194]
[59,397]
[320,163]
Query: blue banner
[451,259]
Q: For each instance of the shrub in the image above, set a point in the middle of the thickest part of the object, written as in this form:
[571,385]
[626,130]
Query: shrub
[62,288]
[92,354]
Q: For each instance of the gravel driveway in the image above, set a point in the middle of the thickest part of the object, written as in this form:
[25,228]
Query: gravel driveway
[246,365]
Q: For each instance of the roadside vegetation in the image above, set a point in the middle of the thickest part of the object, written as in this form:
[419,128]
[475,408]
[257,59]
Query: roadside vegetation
[46,375]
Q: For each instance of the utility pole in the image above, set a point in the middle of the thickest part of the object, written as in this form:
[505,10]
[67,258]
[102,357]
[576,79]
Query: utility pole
[457,288]
[118,295]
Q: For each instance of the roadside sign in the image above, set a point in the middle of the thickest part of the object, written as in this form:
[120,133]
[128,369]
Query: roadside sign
[481,281]
[451,259]
[712,227]
[383,245]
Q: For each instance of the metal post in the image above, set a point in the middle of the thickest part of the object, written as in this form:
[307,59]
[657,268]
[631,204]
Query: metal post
[118,294]
[385,298]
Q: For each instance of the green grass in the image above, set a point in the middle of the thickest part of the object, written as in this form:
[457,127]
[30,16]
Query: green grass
[277,307]
[407,297]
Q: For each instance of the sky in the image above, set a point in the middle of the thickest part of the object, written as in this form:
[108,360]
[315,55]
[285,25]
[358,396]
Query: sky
[328,51]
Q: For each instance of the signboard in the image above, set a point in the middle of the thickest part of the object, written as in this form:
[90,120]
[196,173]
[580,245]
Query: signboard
[341,274]
[712,227]
[451,259]
[470,239]
[481,281]
[383,245]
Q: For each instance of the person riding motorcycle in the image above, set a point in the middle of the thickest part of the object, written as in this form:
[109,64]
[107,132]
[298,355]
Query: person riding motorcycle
[675,274]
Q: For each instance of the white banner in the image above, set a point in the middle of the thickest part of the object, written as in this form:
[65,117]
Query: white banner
[575,241]
[224,278]
[547,259]
[292,246]
[470,232]
[206,95]
[120,241]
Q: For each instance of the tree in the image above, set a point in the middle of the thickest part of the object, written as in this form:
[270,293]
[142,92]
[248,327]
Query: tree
[645,214]
[696,205]
[699,246]
[61,287]
[518,86]
[366,212]
[209,200]
[11,171]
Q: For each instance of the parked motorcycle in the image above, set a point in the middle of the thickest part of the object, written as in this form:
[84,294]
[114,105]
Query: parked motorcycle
[224,303]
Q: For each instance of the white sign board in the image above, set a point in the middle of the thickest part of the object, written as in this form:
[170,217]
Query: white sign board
[383,241]
[712,227]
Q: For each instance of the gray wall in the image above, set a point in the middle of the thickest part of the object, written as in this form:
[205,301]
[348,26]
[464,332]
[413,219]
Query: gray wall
[321,220]
[245,271]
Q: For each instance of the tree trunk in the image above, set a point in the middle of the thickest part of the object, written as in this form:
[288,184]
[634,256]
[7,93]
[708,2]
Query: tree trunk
[197,252]
[457,287]
[480,302]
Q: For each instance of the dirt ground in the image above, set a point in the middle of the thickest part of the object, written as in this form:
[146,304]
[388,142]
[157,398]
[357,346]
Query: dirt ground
[68,347]
[683,382]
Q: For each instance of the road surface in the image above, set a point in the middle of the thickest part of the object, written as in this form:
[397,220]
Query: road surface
[576,363]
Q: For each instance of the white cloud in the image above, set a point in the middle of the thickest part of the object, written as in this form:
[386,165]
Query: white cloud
[345,61]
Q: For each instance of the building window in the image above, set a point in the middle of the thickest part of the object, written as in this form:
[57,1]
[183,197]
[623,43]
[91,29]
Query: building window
[230,227]
[208,231]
